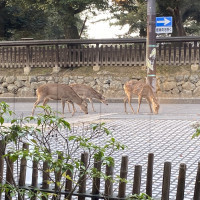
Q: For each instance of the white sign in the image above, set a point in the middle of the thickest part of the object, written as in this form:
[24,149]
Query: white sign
[164,29]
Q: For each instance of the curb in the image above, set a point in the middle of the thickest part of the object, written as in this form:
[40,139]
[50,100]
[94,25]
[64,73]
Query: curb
[114,100]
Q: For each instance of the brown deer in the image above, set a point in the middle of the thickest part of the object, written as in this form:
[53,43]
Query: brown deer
[61,92]
[140,89]
[87,92]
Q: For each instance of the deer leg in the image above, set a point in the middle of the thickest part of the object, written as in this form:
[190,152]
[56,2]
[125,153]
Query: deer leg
[46,100]
[149,102]
[68,107]
[35,104]
[63,106]
[139,102]
[125,100]
[92,104]
[129,101]
[74,109]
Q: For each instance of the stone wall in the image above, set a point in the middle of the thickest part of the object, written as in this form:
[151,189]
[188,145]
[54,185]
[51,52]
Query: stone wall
[111,87]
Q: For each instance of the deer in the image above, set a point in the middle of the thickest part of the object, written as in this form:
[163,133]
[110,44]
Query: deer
[61,92]
[87,92]
[140,89]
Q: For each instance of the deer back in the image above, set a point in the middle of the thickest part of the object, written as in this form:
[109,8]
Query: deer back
[58,91]
[86,91]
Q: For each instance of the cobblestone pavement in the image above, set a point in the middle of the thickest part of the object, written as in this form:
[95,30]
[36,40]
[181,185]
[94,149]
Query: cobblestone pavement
[167,135]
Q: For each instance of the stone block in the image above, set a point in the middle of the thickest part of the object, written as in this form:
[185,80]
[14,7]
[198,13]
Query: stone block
[27,70]
[194,78]
[168,86]
[196,92]
[19,84]
[33,79]
[35,85]
[96,68]
[188,86]
[10,79]
[194,67]
[56,69]
[25,92]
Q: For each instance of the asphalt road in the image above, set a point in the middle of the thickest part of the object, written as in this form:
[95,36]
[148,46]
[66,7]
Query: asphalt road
[116,110]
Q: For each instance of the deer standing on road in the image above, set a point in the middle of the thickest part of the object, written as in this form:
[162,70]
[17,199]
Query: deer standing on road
[87,92]
[61,92]
[140,89]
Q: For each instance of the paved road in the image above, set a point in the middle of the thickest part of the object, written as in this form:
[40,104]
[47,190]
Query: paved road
[167,135]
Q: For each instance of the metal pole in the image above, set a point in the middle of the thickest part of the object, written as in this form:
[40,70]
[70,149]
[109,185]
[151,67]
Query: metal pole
[151,44]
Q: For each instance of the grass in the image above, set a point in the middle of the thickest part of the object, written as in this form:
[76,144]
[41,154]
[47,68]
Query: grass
[105,70]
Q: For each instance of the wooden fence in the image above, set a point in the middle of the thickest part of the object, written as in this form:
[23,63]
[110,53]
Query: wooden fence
[94,194]
[105,52]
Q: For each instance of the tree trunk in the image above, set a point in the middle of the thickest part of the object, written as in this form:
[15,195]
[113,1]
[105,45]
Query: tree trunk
[178,20]
[70,25]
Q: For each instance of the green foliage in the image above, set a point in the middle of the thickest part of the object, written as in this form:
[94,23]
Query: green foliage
[135,15]
[141,196]
[45,19]
[37,131]
[196,126]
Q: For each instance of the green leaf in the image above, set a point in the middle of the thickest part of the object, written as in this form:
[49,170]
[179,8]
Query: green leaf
[34,141]
[1,120]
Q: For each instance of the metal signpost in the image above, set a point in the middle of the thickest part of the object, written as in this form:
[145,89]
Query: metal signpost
[151,44]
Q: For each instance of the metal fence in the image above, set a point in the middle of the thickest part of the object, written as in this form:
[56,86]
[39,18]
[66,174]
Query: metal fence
[106,52]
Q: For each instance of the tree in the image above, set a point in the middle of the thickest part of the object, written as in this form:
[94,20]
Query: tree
[39,136]
[185,15]
[66,11]
[17,21]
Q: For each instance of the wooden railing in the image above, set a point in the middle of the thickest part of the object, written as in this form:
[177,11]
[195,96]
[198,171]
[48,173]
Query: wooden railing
[105,52]
[108,188]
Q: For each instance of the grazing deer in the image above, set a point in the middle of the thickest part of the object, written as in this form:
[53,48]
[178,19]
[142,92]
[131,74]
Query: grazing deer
[61,92]
[140,89]
[87,92]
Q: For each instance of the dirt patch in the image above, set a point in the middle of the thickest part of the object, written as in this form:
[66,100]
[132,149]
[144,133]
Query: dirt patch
[109,70]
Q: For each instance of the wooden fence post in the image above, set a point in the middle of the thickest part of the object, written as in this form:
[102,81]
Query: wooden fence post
[35,174]
[137,179]
[68,184]
[123,175]
[149,174]
[2,152]
[197,184]
[27,69]
[34,177]
[9,176]
[58,176]
[181,182]
[166,181]
[96,67]
[22,175]
[45,177]
[109,183]
[96,180]
[82,179]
